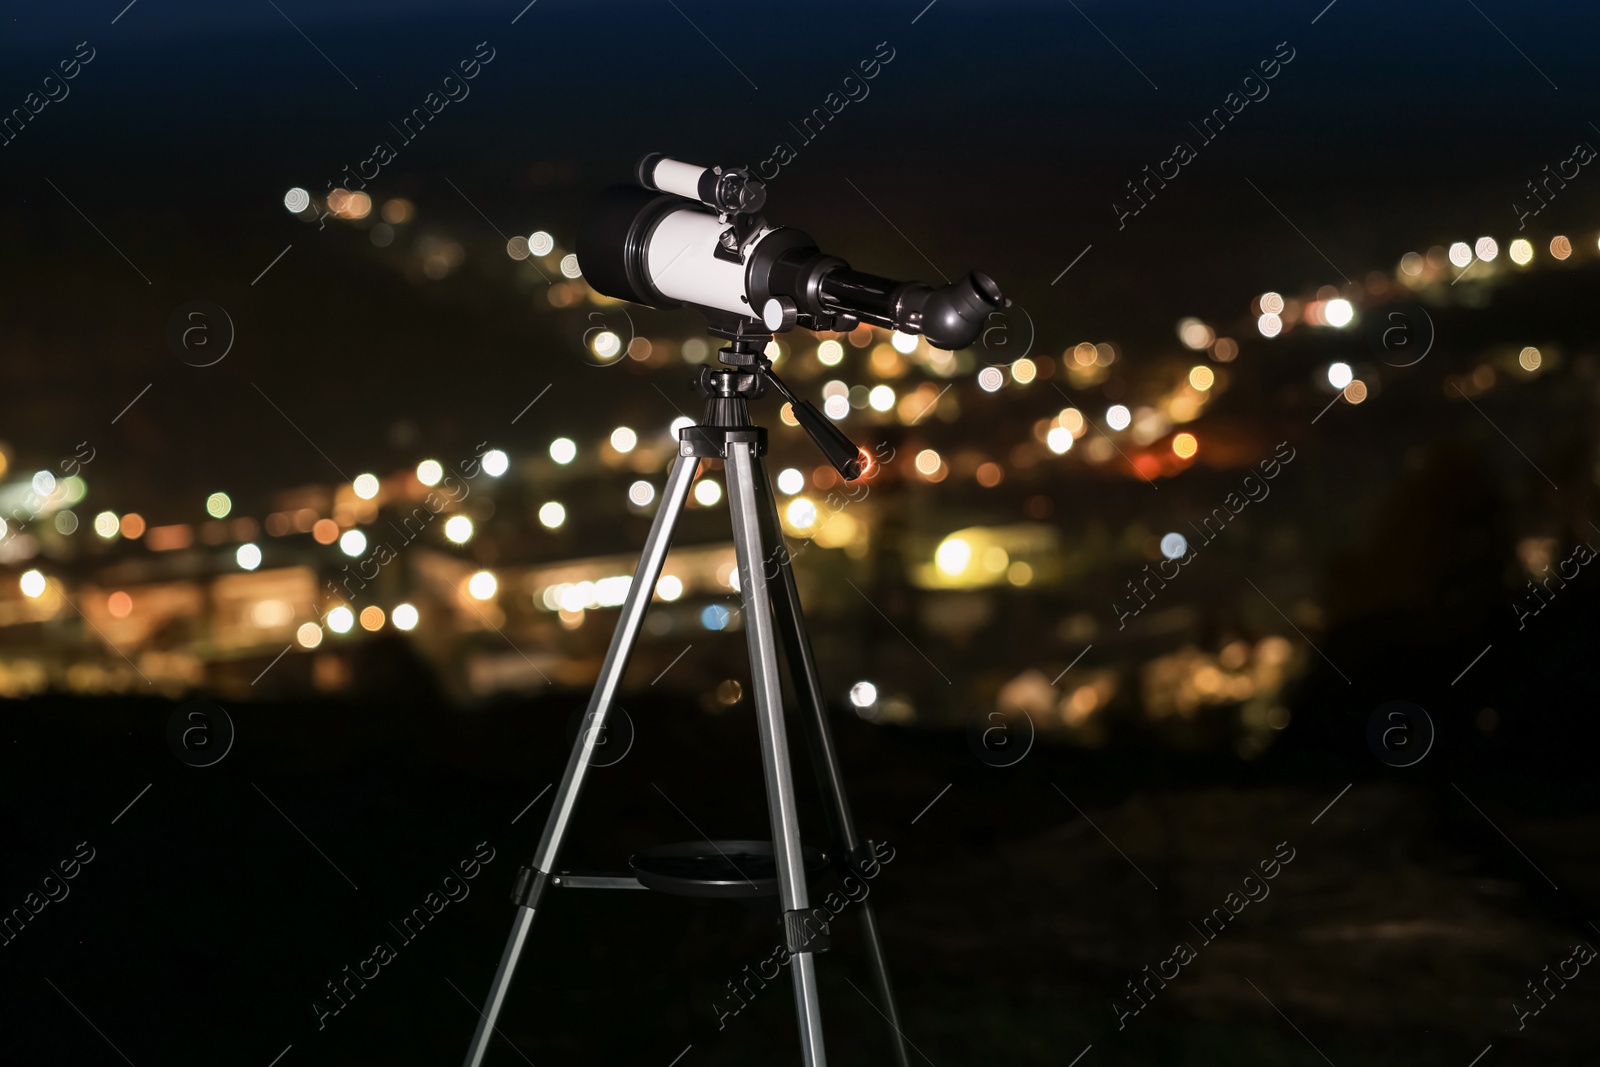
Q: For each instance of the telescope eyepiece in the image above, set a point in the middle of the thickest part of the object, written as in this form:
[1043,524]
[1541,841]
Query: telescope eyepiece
[953,315]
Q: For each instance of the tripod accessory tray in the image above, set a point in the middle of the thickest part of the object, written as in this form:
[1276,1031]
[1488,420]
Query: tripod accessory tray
[723,869]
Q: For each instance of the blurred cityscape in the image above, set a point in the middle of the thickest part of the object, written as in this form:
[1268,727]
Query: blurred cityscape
[1055,527]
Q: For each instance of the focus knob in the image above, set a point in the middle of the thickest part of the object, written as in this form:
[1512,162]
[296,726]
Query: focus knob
[778,314]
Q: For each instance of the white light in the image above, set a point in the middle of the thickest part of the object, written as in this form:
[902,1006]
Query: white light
[32,583]
[1174,545]
[802,513]
[1460,254]
[1487,248]
[297,200]
[836,407]
[863,694]
[248,557]
[1271,303]
[790,481]
[607,344]
[44,483]
[1338,313]
[829,353]
[952,556]
[106,524]
[458,528]
[1118,417]
[340,619]
[353,542]
[904,343]
[1340,375]
[623,439]
[482,585]
[990,379]
[569,266]
[309,635]
[1521,252]
[1059,440]
[707,492]
[404,616]
[669,587]
[1270,325]
[563,451]
[682,422]
[640,493]
[495,463]
[366,486]
[552,514]
[881,398]
[429,471]
[540,244]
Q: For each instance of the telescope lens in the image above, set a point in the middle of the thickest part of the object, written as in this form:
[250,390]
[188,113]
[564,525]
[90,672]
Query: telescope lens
[613,239]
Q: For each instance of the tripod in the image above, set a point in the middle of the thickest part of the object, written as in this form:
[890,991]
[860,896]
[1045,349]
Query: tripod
[771,614]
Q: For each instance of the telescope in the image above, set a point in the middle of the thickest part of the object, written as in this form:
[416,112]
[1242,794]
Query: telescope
[694,235]
[687,234]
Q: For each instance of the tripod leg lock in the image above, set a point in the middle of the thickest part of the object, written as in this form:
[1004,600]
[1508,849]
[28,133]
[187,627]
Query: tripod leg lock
[529,887]
[804,933]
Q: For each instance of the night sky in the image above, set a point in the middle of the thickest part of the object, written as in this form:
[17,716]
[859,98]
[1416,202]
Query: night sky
[998,135]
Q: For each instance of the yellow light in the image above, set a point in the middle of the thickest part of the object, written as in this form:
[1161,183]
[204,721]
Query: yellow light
[340,619]
[1024,371]
[429,472]
[928,462]
[458,528]
[482,585]
[881,398]
[952,556]
[1059,439]
[372,617]
[623,439]
[107,525]
[1019,573]
[1521,251]
[1185,445]
[366,486]
[309,635]
[1530,358]
[830,353]
[405,616]
[33,584]
[1202,377]
[707,492]
[552,514]
[786,413]
[218,505]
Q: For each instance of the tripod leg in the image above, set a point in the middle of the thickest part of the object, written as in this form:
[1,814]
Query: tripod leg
[531,882]
[819,736]
[744,503]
